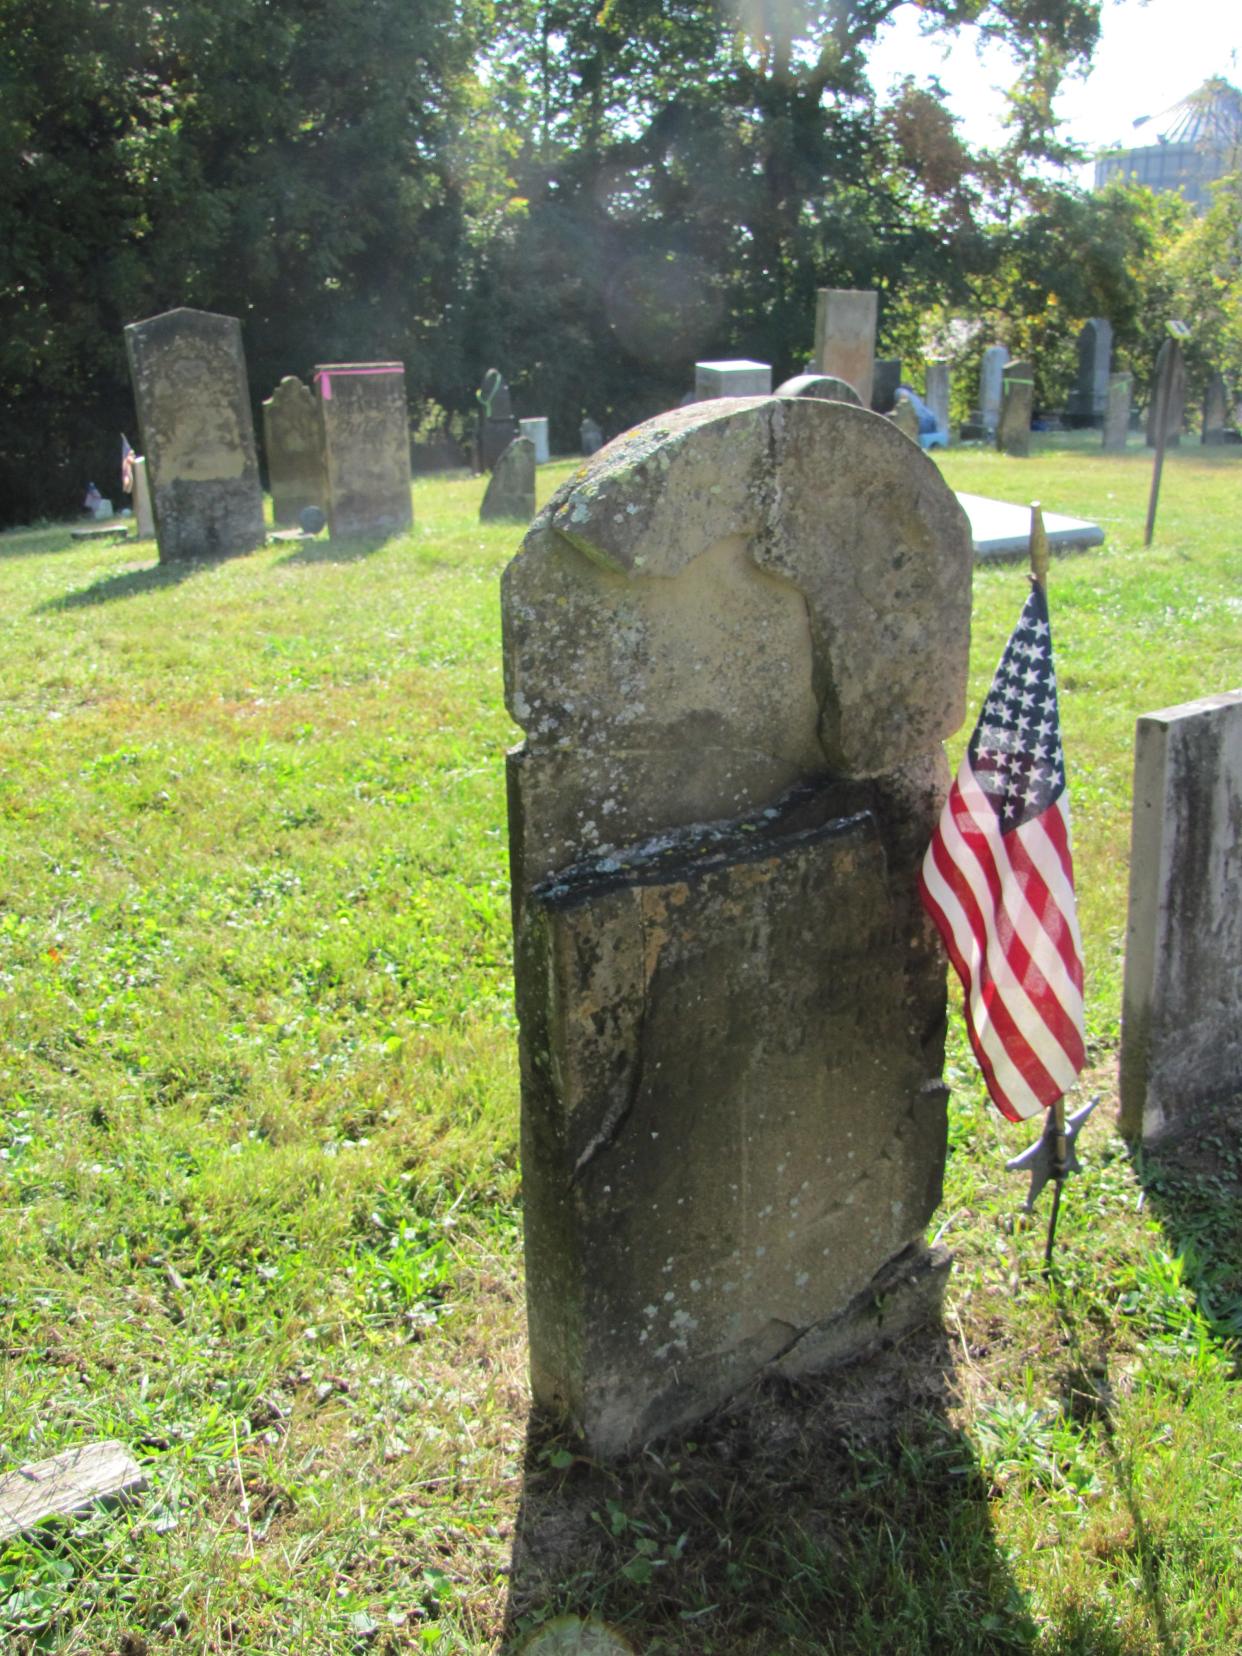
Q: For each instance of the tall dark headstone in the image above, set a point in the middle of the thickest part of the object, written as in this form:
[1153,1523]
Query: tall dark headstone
[1215,409]
[293,444]
[366,447]
[510,492]
[1088,400]
[1174,397]
[189,378]
[498,426]
[884,385]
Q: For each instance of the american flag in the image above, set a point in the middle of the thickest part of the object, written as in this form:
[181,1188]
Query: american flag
[998,880]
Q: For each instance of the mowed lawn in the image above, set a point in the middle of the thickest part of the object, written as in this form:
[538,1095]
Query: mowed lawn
[259,1189]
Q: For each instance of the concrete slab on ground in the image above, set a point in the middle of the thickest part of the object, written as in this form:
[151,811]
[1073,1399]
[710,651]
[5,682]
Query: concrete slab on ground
[999,529]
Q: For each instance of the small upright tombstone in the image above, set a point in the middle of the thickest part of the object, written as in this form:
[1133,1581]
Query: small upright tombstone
[825,386]
[1013,434]
[991,381]
[1174,401]
[510,492]
[144,517]
[936,394]
[1215,410]
[590,437]
[1089,398]
[366,447]
[537,430]
[498,426]
[735,642]
[884,384]
[1181,1030]
[293,443]
[905,417]
[1117,413]
[189,378]
[740,378]
[845,320]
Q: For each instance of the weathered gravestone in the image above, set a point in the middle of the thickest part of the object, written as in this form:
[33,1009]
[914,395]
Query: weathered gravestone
[1117,413]
[590,437]
[735,642]
[189,378]
[536,429]
[1173,399]
[144,516]
[991,378]
[885,380]
[936,394]
[905,417]
[366,447]
[845,321]
[825,386]
[510,490]
[1089,398]
[1215,410]
[498,425]
[739,378]
[293,443]
[1013,433]
[1181,1029]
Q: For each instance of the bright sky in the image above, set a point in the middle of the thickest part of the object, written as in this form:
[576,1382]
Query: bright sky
[1151,54]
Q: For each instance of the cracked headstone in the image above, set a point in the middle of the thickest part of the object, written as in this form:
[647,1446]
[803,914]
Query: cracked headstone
[735,641]
[293,444]
[366,447]
[189,379]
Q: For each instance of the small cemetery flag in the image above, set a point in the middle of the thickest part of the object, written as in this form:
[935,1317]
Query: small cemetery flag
[998,880]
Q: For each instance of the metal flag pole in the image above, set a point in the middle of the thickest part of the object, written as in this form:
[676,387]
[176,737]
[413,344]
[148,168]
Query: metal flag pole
[1060,1146]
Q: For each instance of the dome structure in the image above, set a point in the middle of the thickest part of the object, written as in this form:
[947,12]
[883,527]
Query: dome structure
[1193,143]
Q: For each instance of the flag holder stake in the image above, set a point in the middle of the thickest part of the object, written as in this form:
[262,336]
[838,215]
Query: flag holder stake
[1039,577]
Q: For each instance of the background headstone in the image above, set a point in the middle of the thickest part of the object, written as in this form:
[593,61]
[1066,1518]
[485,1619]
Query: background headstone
[537,431]
[498,426]
[189,378]
[366,446]
[991,376]
[826,386]
[735,642]
[845,320]
[885,380]
[741,378]
[293,444]
[1117,413]
[1181,1032]
[1175,401]
[144,517]
[1215,410]
[936,394]
[1013,433]
[510,491]
[590,436]
[1089,398]
[905,417]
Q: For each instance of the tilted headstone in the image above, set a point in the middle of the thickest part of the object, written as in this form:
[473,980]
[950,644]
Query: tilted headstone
[537,430]
[735,641]
[590,436]
[886,379]
[498,425]
[825,386]
[144,517]
[1181,1031]
[845,320]
[936,393]
[1174,400]
[1088,400]
[366,447]
[189,378]
[1117,413]
[510,491]
[740,378]
[991,377]
[1215,410]
[905,417]
[1013,433]
[293,443]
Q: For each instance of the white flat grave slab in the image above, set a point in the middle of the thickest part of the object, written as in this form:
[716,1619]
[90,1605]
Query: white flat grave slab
[999,529]
[78,1478]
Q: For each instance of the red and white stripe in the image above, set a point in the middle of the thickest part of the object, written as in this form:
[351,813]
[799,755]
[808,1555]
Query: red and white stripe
[1004,905]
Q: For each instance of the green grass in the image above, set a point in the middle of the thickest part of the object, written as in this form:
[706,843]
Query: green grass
[258,1175]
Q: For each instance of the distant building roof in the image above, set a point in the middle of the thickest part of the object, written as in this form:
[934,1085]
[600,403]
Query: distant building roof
[1195,142]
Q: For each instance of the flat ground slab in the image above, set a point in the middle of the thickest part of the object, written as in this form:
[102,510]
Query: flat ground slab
[1001,530]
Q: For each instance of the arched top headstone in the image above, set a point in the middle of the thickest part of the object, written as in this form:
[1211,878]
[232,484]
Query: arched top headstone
[828,387]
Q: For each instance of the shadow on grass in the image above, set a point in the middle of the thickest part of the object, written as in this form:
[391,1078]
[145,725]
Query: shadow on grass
[834,1516]
[130,583]
[345,549]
